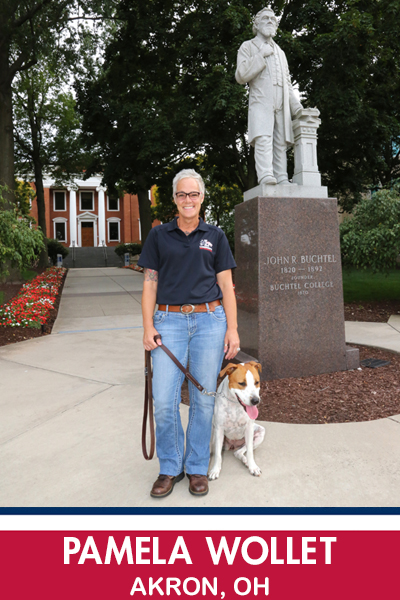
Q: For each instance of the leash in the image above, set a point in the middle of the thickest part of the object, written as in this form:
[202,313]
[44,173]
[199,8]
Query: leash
[148,395]
[148,408]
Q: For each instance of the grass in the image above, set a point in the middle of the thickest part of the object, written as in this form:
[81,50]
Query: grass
[365,286]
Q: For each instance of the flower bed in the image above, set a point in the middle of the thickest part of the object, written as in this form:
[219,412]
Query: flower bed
[31,307]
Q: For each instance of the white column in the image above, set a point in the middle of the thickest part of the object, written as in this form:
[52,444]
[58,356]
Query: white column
[72,215]
[305,148]
[102,216]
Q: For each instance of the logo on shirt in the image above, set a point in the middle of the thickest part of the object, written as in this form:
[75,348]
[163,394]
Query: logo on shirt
[205,245]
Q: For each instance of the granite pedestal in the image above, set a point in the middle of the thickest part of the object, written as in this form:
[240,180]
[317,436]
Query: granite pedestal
[289,286]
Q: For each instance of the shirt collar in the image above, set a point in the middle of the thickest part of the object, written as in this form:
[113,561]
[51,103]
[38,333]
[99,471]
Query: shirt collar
[174,225]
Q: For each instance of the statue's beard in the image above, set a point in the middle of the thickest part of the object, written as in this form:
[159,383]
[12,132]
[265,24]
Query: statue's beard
[268,31]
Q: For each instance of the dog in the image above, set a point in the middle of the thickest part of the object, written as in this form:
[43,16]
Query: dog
[235,411]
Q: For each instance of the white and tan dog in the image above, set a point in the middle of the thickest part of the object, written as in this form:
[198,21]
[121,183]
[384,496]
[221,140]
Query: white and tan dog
[234,414]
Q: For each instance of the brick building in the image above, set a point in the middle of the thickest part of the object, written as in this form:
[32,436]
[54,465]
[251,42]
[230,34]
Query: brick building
[82,214]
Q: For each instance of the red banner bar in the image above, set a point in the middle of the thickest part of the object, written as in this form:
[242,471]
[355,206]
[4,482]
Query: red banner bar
[313,565]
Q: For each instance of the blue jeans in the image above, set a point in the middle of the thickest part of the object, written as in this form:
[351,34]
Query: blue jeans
[197,339]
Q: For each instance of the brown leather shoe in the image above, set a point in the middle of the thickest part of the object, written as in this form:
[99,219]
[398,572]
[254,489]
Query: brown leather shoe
[198,485]
[164,485]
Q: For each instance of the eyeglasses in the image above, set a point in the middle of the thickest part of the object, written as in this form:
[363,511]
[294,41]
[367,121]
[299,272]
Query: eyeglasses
[192,195]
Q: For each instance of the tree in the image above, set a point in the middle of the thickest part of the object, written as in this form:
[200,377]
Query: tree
[126,108]
[46,130]
[24,27]
[20,243]
[213,105]
[166,93]
[345,55]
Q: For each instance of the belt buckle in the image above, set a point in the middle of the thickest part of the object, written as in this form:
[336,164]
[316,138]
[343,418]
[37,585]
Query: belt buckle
[187,312]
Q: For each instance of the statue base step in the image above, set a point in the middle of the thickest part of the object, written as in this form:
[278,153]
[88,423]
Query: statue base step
[286,190]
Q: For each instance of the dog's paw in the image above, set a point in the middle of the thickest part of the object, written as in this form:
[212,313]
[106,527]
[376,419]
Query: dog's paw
[241,455]
[255,470]
[214,474]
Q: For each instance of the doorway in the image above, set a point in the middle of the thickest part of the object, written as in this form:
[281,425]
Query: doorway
[87,233]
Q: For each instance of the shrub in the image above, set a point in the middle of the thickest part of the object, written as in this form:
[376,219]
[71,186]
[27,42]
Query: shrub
[371,239]
[54,247]
[131,247]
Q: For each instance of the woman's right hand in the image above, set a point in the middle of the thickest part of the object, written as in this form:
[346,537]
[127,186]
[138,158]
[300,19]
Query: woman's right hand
[148,338]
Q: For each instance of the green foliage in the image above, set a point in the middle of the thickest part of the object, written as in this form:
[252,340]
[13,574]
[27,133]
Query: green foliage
[220,204]
[167,94]
[371,238]
[27,30]
[47,126]
[126,107]
[54,247]
[19,243]
[132,247]
[24,195]
[345,56]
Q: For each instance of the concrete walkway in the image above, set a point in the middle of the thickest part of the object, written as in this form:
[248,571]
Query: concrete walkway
[71,411]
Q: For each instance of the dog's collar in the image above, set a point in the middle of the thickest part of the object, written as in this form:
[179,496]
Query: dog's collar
[226,397]
[230,400]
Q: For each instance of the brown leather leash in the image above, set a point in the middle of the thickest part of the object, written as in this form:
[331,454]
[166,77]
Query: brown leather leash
[148,395]
[148,408]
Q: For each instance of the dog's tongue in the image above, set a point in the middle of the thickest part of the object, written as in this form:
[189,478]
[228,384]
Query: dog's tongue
[252,411]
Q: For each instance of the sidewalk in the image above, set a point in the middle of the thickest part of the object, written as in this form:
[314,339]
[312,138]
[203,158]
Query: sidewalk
[71,414]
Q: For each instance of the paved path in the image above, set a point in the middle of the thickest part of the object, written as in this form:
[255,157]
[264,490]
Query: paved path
[71,409]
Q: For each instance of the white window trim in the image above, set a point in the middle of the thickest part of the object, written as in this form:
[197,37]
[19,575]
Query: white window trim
[114,220]
[80,200]
[54,201]
[108,205]
[60,220]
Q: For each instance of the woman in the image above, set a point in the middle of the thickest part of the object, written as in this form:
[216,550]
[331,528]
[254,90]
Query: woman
[187,272]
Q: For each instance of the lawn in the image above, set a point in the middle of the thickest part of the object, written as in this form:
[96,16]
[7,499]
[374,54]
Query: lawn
[361,285]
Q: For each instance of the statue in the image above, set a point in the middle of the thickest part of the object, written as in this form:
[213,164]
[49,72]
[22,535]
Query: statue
[272,103]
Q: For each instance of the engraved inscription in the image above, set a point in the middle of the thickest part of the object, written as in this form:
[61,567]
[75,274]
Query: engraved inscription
[305,276]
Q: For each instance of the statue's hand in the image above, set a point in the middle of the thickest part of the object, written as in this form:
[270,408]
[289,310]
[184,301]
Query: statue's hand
[297,114]
[266,50]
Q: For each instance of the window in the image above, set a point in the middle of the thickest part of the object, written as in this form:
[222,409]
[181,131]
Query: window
[113,231]
[59,200]
[86,200]
[113,203]
[59,232]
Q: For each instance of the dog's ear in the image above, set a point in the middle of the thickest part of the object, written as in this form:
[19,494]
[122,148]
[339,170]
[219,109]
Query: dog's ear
[256,365]
[228,369]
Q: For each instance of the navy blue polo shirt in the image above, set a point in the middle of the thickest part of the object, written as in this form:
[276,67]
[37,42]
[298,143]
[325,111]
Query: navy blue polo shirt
[187,265]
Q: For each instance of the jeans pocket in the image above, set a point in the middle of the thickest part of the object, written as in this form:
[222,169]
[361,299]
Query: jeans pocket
[219,313]
[159,317]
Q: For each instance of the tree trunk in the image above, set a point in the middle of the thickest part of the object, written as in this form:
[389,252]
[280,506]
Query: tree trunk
[6,127]
[144,212]
[43,257]
[38,168]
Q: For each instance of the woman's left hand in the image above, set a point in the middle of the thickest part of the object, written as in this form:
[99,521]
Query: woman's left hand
[232,344]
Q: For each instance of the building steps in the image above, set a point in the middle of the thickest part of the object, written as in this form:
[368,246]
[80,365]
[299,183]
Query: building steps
[89,257]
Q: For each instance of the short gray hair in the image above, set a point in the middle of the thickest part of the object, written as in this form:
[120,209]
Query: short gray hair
[186,174]
[258,16]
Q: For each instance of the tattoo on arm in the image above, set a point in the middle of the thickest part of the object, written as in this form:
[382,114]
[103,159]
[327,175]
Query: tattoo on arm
[150,275]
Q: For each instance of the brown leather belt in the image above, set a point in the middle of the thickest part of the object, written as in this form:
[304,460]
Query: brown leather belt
[188,309]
